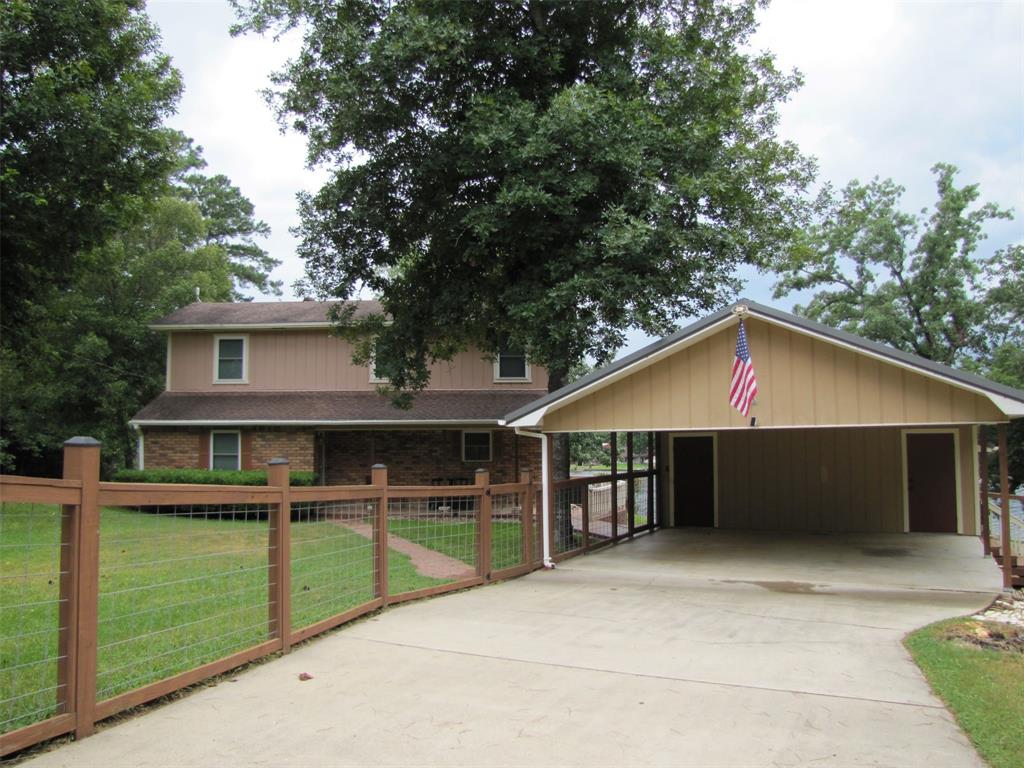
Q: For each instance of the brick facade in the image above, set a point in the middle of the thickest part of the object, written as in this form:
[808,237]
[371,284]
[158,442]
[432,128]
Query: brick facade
[189,448]
[413,457]
[423,457]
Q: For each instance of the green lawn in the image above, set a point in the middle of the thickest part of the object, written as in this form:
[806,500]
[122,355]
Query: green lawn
[175,592]
[457,539]
[983,687]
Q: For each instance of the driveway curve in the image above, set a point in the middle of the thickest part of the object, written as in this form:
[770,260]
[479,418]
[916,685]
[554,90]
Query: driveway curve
[638,655]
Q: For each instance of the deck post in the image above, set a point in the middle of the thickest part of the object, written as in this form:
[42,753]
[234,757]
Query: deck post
[483,530]
[280,576]
[651,478]
[548,496]
[613,442]
[1006,544]
[986,534]
[630,487]
[82,462]
[379,479]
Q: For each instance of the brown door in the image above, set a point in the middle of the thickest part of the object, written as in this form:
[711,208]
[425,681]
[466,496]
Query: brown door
[694,487]
[931,482]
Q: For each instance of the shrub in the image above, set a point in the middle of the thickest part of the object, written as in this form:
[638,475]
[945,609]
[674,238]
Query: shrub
[207,476]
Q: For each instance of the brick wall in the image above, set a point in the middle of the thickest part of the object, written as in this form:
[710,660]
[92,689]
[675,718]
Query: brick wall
[188,448]
[420,457]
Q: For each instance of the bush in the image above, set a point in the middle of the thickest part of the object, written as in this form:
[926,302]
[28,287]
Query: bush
[207,476]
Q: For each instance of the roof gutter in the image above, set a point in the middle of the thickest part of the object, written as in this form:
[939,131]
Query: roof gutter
[310,423]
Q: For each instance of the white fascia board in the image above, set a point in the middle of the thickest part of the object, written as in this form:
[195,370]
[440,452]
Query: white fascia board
[1005,404]
[240,326]
[706,429]
[534,418]
[307,423]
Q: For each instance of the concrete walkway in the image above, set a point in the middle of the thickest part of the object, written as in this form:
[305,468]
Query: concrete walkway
[641,655]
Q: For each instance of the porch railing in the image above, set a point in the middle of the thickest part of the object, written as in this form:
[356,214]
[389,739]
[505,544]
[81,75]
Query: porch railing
[114,594]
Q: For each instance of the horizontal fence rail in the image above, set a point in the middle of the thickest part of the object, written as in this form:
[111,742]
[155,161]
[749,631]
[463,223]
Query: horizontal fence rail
[114,594]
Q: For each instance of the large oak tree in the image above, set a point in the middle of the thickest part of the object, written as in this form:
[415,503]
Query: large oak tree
[532,175]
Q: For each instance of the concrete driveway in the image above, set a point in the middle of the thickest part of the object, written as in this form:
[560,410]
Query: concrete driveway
[679,649]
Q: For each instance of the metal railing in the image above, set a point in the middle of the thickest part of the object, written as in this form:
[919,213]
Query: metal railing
[114,594]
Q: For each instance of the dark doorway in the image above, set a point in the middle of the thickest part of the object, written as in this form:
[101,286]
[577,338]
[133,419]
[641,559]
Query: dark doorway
[931,482]
[693,460]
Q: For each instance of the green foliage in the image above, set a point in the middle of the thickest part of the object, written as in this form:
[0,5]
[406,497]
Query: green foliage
[588,449]
[207,476]
[538,176]
[914,283]
[86,360]
[892,276]
[84,92]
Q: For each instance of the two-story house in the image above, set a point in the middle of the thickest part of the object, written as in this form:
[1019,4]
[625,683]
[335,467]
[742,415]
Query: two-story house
[250,381]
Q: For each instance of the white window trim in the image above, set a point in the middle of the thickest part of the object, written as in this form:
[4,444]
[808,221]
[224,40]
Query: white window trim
[237,433]
[499,379]
[245,358]
[490,445]
[374,379]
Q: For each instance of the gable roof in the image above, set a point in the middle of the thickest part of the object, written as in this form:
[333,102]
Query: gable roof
[1007,399]
[203,315]
[484,407]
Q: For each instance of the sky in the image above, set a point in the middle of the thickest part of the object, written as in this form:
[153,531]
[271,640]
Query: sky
[890,89]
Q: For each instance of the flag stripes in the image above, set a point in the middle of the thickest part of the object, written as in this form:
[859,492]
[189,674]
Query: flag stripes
[743,387]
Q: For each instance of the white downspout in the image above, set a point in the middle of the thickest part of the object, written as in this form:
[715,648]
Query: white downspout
[545,461]
[140,448]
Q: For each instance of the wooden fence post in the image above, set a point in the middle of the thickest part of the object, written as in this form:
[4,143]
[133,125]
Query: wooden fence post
[1006,544]
[82,462]
[379,478]
[526,513]
[651,478]
[280,557]
[483,561]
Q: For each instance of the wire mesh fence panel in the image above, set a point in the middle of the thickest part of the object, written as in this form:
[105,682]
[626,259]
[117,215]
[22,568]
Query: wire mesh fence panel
[599,512]
[506,531]
[567,519]
[180,587]
[431,541]
[538,526]
[640,490]
[30,613]
[333,559]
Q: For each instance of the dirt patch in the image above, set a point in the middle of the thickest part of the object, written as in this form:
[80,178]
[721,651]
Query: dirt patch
[991,635]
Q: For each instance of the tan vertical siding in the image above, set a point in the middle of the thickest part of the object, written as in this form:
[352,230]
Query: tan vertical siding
[315,361]
[802,381]
[813,480]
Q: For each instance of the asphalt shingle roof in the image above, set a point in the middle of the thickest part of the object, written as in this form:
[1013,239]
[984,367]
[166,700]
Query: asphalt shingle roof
[258,313]
[326,407]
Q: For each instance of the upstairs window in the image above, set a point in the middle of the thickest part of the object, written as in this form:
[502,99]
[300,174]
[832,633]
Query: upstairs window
[476,446]
[230,359]
[225,450]
[511,366]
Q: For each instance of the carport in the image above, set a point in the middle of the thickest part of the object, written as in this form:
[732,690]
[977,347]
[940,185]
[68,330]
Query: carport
[845,436]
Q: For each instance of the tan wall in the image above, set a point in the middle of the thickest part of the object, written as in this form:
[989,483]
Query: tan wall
[824,479]
[314,361]
[801,381]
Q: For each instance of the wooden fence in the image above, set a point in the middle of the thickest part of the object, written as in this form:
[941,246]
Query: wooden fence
[115,594]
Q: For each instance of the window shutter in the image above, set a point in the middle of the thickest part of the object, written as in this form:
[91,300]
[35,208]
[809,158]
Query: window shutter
[245,460]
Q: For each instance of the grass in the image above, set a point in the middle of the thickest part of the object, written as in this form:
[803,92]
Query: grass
[458,539]
[983,687]
[175,592]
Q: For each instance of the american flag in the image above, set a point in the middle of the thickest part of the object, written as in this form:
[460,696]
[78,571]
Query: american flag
[743,388]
